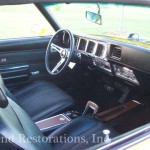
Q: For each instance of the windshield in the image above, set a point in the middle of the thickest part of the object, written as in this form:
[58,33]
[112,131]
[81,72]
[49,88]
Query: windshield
[121,22]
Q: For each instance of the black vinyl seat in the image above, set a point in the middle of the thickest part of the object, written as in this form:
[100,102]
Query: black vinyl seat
[42,99]
[15,122]
[84,131]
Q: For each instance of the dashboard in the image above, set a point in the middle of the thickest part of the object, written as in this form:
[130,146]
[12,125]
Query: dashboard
[121,60]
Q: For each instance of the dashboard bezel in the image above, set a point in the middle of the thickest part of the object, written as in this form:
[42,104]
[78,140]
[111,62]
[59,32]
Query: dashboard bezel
[104,44]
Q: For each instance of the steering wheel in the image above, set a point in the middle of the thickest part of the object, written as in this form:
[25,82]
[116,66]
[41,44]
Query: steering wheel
[65,49]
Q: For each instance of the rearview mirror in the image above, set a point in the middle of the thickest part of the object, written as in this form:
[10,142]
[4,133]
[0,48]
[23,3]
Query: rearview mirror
[93,17]
[134,37]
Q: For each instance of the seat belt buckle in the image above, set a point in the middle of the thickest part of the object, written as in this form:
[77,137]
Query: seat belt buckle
[91,105]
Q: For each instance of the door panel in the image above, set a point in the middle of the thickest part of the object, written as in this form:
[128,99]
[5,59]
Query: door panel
[15,74]
[23,60]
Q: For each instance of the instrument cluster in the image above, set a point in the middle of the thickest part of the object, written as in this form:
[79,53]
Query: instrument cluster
[96,50]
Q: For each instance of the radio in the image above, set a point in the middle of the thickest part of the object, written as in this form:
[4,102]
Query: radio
[125,73]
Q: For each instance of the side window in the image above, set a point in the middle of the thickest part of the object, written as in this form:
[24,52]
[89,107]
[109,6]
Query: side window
[23,21]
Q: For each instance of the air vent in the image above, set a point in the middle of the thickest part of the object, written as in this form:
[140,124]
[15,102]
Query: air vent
[90,47]
[116,51]
[99,50]
[82,44]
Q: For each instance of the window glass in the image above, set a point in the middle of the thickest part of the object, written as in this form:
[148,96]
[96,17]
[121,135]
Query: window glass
[127,23]
[23,21]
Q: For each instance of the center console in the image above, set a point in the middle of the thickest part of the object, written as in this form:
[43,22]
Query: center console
[91,109]
[52,123]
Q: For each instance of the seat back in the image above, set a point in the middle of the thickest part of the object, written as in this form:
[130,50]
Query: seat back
[17,127]
[3,96]
[2,85]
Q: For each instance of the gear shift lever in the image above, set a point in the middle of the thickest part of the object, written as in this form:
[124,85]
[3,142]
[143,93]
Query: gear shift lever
[91,105]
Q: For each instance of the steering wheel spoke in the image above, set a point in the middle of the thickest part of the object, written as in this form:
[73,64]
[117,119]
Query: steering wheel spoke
[58,65]
[56,48]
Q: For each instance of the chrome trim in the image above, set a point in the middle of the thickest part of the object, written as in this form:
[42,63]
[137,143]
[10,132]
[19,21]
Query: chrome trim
[105,45]
[16,67]
[53,117]
[80,38]
[135,142]
[122,139]
[13,77]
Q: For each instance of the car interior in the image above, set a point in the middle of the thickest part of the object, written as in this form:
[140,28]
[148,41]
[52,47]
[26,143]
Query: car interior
[71,85]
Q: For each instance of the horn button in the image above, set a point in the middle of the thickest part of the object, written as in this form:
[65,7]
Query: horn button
[63,54]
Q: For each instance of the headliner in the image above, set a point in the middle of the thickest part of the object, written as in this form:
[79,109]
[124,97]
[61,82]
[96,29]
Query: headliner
[138,2]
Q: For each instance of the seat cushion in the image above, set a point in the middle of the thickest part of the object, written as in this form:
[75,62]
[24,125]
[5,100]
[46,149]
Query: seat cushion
[80,133]
[42,99]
